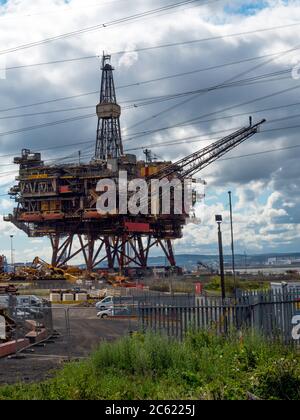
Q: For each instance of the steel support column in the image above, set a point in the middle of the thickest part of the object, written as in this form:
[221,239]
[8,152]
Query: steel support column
[117,251]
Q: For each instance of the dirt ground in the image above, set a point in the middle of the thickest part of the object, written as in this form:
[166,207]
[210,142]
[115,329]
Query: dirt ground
[86,332]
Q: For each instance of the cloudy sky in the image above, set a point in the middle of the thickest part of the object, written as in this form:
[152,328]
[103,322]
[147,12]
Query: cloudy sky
[254,44]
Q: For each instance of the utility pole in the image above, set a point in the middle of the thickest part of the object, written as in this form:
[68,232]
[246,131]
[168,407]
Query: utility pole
[232,242]
[219,220]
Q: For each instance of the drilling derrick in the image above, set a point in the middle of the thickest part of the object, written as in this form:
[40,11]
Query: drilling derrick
[59,201]
[109,142]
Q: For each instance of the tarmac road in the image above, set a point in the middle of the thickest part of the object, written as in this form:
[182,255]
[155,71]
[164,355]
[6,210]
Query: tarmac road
[86,333]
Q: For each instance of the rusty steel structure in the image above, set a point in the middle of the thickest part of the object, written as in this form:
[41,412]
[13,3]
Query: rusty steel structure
[59,201]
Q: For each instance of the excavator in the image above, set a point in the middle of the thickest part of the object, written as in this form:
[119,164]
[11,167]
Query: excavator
[70,274]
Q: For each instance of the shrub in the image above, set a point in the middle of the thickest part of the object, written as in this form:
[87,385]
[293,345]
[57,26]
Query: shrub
[280,379]
[152,366]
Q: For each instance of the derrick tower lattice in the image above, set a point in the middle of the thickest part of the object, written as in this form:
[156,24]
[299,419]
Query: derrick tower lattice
[109,141]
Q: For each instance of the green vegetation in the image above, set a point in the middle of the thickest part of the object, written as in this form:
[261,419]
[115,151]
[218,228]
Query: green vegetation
[177,286]
[211,284]
[203,366]
[215,284]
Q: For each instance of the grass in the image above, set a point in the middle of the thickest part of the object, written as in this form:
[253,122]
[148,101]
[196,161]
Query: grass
[177,286]
[44,293]
[230,284]
[203,366]
[211,285]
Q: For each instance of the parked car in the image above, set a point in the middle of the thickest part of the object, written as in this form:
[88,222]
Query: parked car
[114,311]
[106,313]
[109,301]
[105,303]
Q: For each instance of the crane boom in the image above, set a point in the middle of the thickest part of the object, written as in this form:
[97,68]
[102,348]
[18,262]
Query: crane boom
[195,162]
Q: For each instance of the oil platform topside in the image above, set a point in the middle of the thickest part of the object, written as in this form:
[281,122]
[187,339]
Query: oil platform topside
[60,201]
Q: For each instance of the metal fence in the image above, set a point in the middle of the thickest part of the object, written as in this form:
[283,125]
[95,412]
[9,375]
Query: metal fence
[27,316]
[78,330]
[155,299]
[272,314]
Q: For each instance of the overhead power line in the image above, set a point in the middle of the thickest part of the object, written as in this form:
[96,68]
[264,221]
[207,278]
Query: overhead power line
[139,102]
[115,22]
[185,140]
[147,81]
[188,42]
[183,123]
[213,38]
[134,136]
[59,10]
[204,137]
[241,114]
[82,117]
[4,174]
[79,143]
[270,60]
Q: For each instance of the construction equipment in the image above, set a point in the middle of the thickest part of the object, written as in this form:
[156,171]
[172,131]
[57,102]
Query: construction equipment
[60,201]
[68,274]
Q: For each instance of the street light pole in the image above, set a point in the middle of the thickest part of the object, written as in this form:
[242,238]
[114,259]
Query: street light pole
[12,253]
[232,242]
[219,220]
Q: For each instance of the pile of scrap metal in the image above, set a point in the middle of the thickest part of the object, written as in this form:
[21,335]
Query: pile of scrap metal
[116,279]
[98,294]
[41,270]
[5,277]
[46,270]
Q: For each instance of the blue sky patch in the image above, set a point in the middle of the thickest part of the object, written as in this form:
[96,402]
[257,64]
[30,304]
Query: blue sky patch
[248,8]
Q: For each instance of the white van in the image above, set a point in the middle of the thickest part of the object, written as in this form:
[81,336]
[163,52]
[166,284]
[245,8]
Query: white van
[105,303]
[28,301]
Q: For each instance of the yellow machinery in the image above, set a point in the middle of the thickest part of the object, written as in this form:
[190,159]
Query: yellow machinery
[70,274]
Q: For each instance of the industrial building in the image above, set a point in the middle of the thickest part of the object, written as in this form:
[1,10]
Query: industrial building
[60,201]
